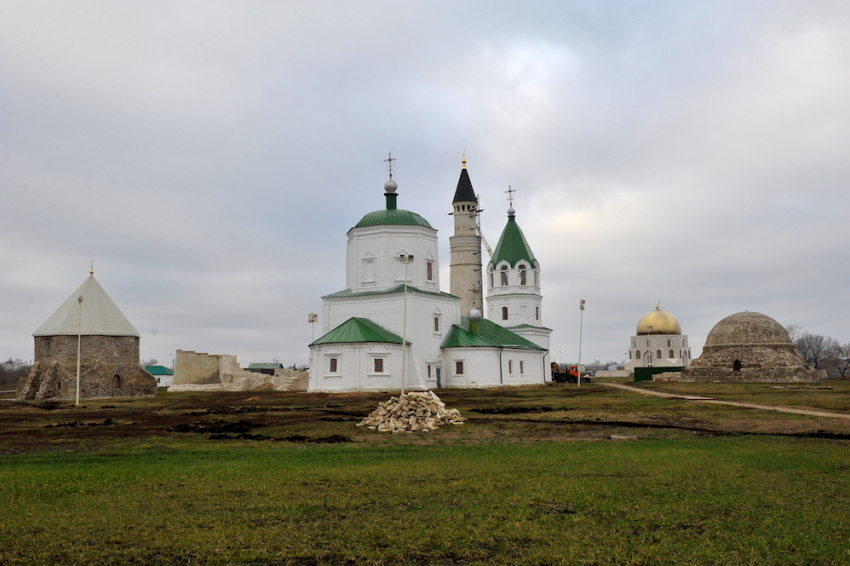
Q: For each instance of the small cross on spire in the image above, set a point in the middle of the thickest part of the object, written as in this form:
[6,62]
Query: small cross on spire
[390,160]
[510,192]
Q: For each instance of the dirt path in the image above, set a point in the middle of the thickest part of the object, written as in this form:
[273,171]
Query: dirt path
[698,399]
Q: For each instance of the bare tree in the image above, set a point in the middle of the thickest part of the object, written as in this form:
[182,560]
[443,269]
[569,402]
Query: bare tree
[794,331]
[841,361]
[818,350]
[150,362]
[12,370]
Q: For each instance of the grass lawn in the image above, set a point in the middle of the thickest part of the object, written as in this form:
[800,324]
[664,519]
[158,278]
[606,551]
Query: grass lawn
[532,478]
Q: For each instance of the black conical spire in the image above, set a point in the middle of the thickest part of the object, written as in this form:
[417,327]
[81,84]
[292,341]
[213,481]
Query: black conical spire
[464,192]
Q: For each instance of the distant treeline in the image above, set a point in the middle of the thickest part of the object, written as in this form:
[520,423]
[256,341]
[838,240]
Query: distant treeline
[12,370]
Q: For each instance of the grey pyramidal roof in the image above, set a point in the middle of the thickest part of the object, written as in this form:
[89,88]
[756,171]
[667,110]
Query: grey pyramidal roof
[100,316]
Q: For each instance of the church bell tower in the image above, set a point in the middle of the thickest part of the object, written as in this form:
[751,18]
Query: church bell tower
[465,246]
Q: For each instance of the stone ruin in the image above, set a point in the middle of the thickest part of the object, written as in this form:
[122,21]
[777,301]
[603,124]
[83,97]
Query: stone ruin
[412,412]
[199,371]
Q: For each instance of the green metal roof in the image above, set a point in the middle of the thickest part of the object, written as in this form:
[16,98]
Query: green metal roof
[524,325]
[159,370]
[512,246]
[266,365]
[359,330]
[392,217]
[391,291]
[490,335]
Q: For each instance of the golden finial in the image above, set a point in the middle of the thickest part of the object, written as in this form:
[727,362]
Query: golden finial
[463,161]
[658,305]
[91,269]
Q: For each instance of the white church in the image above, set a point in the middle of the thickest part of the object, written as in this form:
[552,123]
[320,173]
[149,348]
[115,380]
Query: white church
[393,328]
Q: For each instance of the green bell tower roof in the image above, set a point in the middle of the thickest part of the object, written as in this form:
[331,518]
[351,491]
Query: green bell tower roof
[512,246]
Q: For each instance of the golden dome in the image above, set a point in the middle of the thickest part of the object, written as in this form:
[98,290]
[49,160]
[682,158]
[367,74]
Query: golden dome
[658,322]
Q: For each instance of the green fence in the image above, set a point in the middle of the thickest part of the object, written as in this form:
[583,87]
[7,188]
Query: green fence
[645,374]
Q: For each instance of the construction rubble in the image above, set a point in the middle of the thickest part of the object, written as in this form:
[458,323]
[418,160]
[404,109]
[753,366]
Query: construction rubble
[412,412]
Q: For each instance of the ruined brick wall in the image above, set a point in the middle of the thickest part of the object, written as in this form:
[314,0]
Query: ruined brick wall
[109,367]
[195,368]
[199,371]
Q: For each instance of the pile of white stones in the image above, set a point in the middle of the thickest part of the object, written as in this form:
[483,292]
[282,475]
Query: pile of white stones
[412,412]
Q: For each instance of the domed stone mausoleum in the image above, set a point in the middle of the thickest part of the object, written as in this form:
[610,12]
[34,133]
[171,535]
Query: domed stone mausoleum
[750,347]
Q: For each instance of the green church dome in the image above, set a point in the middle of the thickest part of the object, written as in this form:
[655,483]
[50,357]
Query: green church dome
[393,216]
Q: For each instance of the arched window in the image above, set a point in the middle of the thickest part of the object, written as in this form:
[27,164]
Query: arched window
[648,344]
[658,354]
[504,275]
[736,366]
[522,280]
[648,359]
[504,313]
[671,354]
[669,343]
[637,355]
[491,279]
[116,381]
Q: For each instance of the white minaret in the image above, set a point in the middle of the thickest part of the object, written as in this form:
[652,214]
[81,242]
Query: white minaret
[465,246]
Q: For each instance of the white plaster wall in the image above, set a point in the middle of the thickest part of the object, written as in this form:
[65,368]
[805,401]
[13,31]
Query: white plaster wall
[384,244]
[490,367]
[521,300]
[355,367]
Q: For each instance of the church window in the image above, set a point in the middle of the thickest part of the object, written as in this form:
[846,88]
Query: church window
[669,343]
[459,367]
[510,367]
[116,381]
[536,313]
[536,278]
[369,269]
[429,268]
[333,365]
[648,359]
[504,275]
[521,367]
[491,279]
[637,355]
[379,365]
[429,371]
[522,279]
[736,366]
[658,354]
[671,353]
[436,324]
[648,344]
[504,313]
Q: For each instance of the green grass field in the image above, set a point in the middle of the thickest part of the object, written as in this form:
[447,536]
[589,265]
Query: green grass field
[547,486]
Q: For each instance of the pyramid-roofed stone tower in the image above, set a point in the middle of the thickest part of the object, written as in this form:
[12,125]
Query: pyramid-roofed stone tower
[108,345]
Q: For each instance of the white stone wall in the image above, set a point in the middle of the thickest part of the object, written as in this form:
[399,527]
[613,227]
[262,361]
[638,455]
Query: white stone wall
[373,251]
[465,245]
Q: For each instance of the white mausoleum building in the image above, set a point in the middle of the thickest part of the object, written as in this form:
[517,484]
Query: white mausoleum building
[393,298]
[658,342]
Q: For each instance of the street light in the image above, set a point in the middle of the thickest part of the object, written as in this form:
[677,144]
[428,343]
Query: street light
[406,259]
[79,340]
[580,328]
[313,318]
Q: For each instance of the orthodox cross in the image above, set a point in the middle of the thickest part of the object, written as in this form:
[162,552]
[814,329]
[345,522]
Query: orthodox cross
[390,160]
[510,192]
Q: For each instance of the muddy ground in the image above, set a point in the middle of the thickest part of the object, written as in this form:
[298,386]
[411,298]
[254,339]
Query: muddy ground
[553,412]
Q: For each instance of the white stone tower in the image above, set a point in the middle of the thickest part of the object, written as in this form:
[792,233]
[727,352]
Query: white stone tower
[514,299]
[465,246]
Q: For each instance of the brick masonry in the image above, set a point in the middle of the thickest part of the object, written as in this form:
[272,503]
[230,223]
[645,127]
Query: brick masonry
[199,371]
[109,367]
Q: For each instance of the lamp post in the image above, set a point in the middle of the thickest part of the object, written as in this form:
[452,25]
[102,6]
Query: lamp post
[406,259]
[79,340]
[580,329]
[313,318]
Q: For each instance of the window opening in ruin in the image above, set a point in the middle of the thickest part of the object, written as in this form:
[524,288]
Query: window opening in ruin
[379,365]
[459,367]
[736,365]
[116,381]
[504,275]
[522,280]
[504,313]
[333,365]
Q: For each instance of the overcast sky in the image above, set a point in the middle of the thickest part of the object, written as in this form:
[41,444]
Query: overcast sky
[211,156]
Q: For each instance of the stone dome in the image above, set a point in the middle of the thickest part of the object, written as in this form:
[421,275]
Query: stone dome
[745,328]
[658,322]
